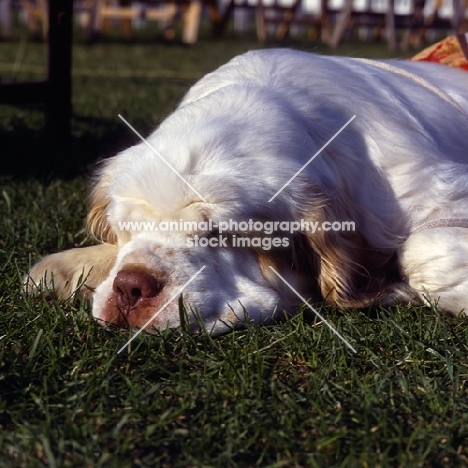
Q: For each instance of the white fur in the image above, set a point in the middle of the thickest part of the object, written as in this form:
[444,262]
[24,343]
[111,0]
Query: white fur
[241,132]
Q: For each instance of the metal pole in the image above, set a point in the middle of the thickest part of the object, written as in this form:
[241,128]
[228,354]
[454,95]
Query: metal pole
[59,107]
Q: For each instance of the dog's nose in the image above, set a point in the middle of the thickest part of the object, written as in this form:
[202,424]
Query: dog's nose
[130,286]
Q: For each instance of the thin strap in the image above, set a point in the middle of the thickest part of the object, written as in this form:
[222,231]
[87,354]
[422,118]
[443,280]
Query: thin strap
[416,78]
[444,222]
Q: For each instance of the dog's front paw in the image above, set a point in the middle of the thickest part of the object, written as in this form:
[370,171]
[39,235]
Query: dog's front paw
[75,271]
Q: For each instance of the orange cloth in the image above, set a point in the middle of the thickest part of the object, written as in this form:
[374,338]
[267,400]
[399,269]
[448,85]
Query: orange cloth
[447,52]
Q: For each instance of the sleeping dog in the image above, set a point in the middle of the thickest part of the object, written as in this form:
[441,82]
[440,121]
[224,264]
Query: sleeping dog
[280,174]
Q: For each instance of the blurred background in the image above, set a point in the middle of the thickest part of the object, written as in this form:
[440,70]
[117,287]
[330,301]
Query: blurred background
[67,69]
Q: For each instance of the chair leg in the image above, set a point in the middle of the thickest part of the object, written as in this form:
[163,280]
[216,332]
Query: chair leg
[214,14]
[5,18]
[260,20]
[343,21]
[325,24]
[390,26]
[191,21]
[288,18]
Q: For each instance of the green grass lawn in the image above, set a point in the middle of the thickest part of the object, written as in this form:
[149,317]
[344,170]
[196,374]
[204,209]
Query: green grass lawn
[285,395]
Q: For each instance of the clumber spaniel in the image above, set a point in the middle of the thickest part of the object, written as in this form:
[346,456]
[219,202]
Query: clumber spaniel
[220,206]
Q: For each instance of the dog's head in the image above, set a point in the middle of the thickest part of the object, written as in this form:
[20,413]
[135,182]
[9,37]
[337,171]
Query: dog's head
[196,212]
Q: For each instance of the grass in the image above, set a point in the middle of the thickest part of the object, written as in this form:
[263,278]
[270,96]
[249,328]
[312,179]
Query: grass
[285,395]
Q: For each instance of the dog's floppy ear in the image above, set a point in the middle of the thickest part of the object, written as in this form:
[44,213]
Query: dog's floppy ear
[99,201]
[351,272]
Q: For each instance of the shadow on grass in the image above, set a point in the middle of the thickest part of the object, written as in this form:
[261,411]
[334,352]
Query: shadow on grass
[28,152]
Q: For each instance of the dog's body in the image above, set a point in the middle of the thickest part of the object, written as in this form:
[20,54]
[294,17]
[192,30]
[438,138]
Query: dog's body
[398,171]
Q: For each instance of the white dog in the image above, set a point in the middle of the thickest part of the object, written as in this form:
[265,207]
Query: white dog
[230,211]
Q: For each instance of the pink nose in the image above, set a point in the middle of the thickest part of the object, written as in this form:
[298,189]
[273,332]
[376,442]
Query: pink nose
[132,285]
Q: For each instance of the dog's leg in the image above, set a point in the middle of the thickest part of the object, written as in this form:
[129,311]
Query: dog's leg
[433,262]
[62,273]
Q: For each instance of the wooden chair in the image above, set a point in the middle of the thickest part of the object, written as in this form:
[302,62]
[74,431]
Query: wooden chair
[456,22]
[279,16]
[99,15]
[275,13]
[37,16]
[425,19]
[165,11]
[350,18]
[415,22]
[108,11]
[284,16]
